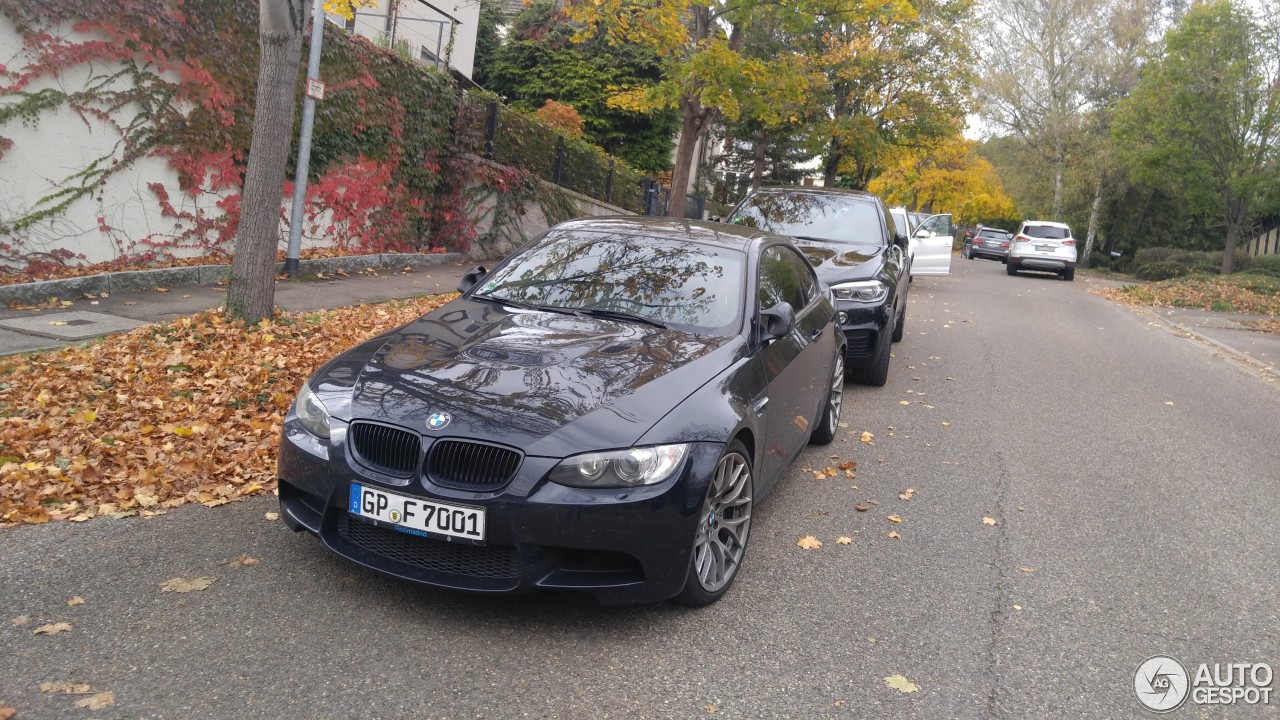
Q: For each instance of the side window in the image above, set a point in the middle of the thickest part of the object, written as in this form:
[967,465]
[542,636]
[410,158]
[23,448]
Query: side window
[804,273]
[779,281]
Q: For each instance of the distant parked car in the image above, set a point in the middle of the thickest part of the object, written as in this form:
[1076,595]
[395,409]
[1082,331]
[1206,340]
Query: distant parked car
[991,243]
[1043,246]
[851,239]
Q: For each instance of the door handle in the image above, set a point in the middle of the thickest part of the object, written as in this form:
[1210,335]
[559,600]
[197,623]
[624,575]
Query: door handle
[817,333]
[759,405]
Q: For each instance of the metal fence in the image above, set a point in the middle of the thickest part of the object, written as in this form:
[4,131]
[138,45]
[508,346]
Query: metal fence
[487,128]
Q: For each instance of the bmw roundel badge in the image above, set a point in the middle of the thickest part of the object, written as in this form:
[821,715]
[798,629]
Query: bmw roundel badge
[438,421]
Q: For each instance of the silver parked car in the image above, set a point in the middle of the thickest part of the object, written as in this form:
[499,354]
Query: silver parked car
[991,243]
[1043,246]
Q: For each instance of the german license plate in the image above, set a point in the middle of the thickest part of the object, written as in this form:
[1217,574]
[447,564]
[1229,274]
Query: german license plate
[417,515]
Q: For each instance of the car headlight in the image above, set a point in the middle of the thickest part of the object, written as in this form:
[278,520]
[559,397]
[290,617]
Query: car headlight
[620,468]
[312,413]
[861,291]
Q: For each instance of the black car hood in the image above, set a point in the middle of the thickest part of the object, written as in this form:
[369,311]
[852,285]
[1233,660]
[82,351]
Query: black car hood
[548,383]
[837,261]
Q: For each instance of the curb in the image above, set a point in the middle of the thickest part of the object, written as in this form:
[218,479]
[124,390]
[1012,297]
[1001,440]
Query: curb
[34,293]
[1271,373]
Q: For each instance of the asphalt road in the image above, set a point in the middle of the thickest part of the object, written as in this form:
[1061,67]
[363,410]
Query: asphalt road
[1134,475]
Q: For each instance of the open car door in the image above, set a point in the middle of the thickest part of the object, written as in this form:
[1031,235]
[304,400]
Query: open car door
[932,239]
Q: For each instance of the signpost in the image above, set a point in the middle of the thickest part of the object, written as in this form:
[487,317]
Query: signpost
[315,92]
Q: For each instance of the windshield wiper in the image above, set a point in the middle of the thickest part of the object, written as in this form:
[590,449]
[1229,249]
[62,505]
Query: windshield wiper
[619,315]
[523,304]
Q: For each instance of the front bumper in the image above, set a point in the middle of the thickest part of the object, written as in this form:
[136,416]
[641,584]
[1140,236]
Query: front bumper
[620,545]
[864,328]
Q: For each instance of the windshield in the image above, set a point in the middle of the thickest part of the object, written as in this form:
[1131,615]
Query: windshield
[842,219]
[1047,232]
[656,279]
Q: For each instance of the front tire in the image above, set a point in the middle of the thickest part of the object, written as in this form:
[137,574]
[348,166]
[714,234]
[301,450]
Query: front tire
[720,542]
[878,374]
[825,431]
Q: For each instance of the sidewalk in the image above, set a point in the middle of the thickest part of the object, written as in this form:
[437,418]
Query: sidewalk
[27,330]
[1230,333]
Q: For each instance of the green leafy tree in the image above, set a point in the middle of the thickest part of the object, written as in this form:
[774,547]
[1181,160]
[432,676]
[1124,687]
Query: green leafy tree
[540,61]
[897,74]
[488,39]
[706,73]
[1205,116]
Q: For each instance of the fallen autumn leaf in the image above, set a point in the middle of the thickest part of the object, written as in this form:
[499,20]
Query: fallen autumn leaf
[52,629]
[989,521]
[901,684]
[809,542]
[184,585]
[97,702]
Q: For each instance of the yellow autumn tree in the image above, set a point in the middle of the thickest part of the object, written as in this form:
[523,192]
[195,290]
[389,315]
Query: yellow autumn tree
[946,177]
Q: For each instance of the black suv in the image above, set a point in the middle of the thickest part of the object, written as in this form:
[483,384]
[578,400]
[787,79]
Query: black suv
[850,239]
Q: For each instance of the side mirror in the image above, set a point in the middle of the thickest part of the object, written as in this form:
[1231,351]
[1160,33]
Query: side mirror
[471,278]
[923,234]
[900,239]
[777,321]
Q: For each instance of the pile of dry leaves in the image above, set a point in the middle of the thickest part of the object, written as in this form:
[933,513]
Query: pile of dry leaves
[187,411]
[1252,294]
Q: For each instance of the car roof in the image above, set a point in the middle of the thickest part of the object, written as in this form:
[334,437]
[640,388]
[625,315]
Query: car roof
[845,192]
[736,237]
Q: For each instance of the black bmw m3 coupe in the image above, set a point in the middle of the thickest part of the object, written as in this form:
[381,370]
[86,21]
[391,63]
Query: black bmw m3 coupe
[601,413]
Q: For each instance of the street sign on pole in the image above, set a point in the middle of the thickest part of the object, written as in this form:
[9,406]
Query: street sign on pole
[315,91]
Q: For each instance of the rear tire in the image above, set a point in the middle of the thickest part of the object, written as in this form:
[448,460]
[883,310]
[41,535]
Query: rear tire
[1069,274]
[1011,268]
[825,431]
[878,374]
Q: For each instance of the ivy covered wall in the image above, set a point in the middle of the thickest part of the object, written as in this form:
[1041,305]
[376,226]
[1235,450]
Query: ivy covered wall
[124,135]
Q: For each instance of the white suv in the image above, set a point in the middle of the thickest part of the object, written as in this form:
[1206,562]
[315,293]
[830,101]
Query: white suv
[1045,246]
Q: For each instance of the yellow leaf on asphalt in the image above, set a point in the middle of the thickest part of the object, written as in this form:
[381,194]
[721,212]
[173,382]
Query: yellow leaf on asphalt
[904,402]
[77,600]
[848,465]
[809,542]
[712,709]
[946,424]
[1168,402]
[20,620]
[862,507]
[989,521]
[57,322]
[867,437]
[242,561]
[1027,569]
[895,519]
[184,585]
[98,701]
[901,684]
[271,516]
[65,688]
[907,494]
[7,713]
[52,629]
[893,535]
[1017,607]
[842,540]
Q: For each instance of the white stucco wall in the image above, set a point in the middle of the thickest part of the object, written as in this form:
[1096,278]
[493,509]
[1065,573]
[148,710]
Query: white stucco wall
[58,144]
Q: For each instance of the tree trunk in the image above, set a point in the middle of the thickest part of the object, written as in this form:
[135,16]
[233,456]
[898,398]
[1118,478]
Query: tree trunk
[832,168]
[251,290]
[1059,172]
[694,120]
[1093,222]
[757,164]
[1235,222]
